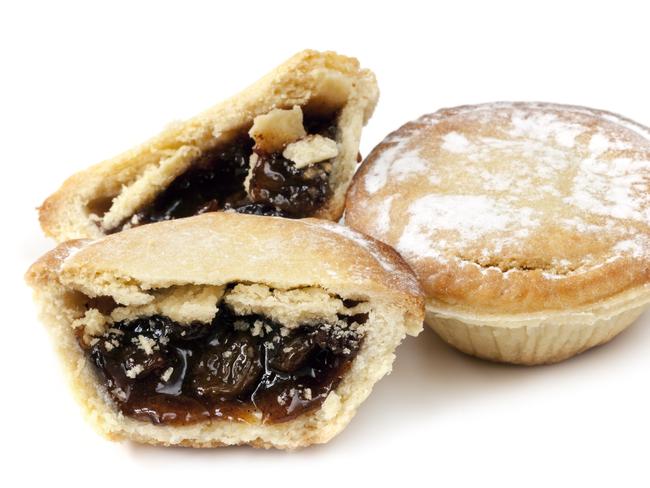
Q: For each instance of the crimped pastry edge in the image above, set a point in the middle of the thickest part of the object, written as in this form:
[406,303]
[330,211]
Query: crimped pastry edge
[537,338]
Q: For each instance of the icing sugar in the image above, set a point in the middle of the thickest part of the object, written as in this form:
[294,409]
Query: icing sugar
[598,144]
[633,247]
[456,143]
[382,216]
[533,126]
[377,176]
[518,177]
[407,165]
[519,168]
[567,136]
[612,188]
[580,225]
[394,162]
[72,250]
[541,126]
[469,217]
[370,246]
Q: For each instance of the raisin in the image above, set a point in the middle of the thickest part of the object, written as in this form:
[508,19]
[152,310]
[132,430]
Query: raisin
[227,369]
[215,181]
[258,209]
[191,332]
[276,181]
[178,369]
[160,371]
[292,353]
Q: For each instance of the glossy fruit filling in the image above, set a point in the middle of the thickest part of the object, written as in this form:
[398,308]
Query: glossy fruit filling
[242,368]
[215,181]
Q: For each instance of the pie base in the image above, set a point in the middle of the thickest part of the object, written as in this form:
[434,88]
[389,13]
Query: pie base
[537,338]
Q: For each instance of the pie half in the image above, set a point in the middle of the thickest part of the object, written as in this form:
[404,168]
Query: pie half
[226,329]
[285,146]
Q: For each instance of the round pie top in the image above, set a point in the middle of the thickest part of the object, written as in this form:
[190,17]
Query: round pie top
[512,207]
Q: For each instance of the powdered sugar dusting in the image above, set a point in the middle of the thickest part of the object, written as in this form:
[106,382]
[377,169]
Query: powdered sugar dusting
[598,144]
[407,165]
[543,125]
[376,178]
[567,136]
[395,162]
[374,251]
[456,143]
[517,179]
[382,216]
[469,218]
[504,174]
[634,247]
[616,188]
[72,250]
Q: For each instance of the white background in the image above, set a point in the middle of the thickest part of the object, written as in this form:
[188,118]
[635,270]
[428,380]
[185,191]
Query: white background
[82,82]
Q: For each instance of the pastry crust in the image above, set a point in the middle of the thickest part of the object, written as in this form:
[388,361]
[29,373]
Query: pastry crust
[99,198]
[509,209]
[537,338]
[305,261]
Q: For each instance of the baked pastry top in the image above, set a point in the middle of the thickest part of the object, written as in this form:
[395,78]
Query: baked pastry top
[512,207]
[225,328]
[287,146]
[220,248]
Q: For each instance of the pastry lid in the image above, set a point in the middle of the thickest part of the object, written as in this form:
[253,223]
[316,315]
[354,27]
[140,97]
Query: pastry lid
[513,207]
[219,248]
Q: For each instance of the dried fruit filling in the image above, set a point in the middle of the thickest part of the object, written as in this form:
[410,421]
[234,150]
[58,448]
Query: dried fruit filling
[235,368]
[215,181]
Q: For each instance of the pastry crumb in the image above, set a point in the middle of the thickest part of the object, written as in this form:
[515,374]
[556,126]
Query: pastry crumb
[134,371]
[310,150]
[277,128]
[167,374]
[258,328]
[147,344]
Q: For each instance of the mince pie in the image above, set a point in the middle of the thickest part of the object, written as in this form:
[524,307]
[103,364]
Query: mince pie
[226,328]
[286,146]
[528,224]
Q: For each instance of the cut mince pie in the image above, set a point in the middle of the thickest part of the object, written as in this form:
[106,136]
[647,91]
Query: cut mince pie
[286,146]
[219,330]
[528,224]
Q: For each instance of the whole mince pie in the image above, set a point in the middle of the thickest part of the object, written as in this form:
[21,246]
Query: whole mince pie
[287,146]
[221,321]
[528,224]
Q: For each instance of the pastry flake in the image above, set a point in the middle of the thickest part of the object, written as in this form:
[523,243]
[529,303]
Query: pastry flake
[273,131]
[309,150]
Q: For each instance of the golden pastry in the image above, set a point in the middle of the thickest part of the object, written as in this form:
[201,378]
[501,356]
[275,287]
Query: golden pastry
[528,224]
[287,146]
[226,329]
